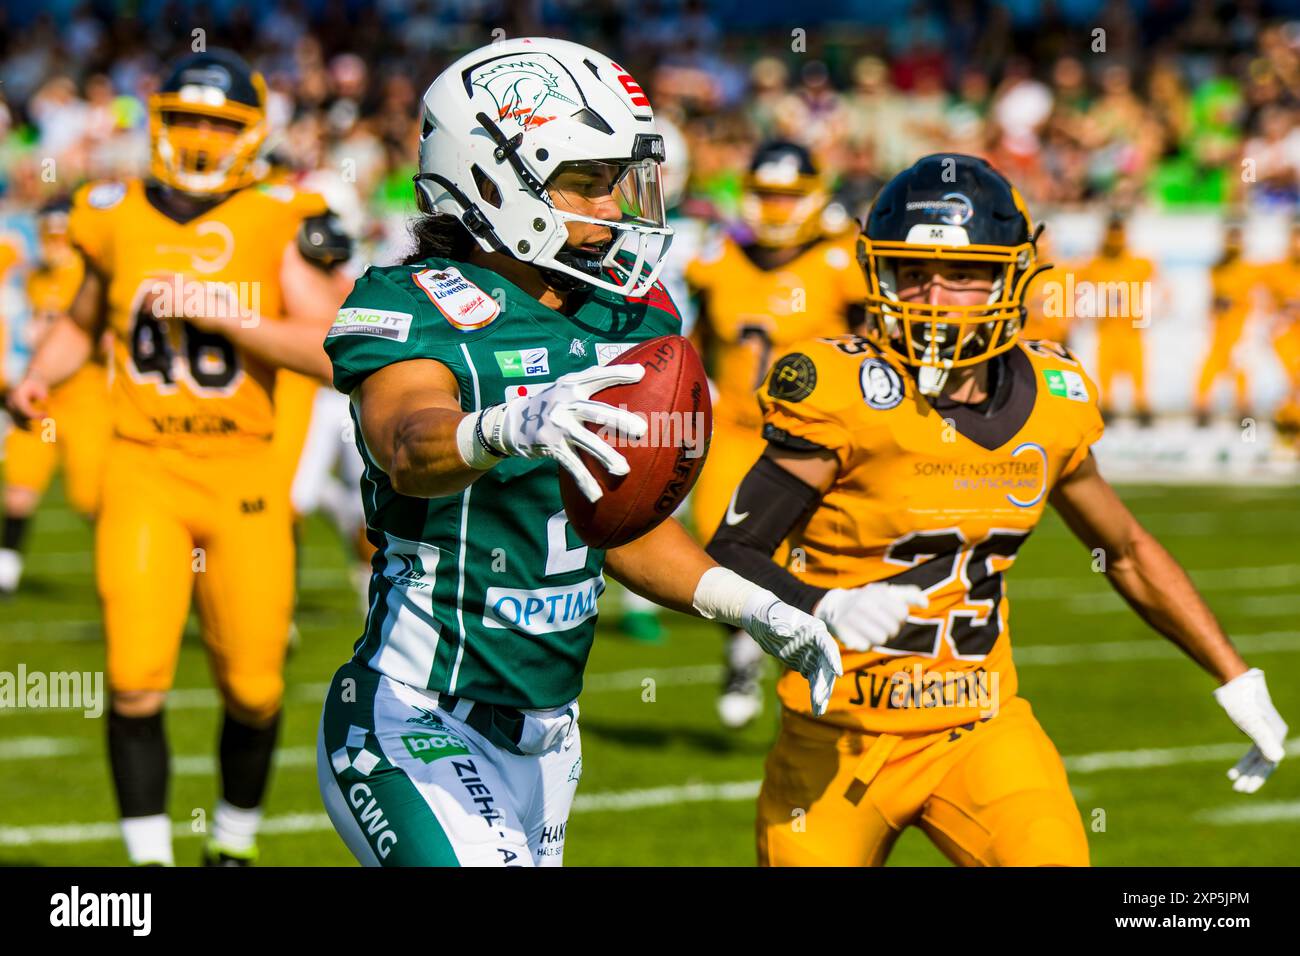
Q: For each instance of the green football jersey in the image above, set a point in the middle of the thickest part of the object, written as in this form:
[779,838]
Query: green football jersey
[488,594]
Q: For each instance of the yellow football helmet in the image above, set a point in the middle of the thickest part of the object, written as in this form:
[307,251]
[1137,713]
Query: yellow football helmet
[948,206]
[784,195]
[207,125]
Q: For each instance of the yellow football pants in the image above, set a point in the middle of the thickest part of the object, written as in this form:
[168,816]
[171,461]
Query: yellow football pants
[74,432]
[1219,361]
[172,521]
[992,793]
[1121,353]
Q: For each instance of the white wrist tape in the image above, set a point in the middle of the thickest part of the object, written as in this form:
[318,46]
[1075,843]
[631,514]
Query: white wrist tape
[723,595]
[472,451]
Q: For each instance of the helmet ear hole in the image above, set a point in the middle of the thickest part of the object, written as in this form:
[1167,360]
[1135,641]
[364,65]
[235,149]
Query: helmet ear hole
[487,188]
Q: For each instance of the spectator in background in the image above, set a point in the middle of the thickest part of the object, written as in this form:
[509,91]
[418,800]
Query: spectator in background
[769,84]
[1123,138]
[874,111]
[60,117]
[1021,108]
[813,115]
[1273,157]
[1215,139]
[966,115]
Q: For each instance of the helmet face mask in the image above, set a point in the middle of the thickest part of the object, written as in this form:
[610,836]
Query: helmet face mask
[784,196]
[945,335]
[948,209]
[207,125]
[566,138]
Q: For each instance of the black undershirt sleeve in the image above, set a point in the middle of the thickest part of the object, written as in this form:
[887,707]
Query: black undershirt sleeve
[770,502]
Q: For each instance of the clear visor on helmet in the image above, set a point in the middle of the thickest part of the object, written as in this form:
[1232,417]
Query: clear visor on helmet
[617,217]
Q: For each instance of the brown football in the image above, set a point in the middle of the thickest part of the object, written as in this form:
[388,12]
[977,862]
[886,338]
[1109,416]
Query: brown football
[673,399]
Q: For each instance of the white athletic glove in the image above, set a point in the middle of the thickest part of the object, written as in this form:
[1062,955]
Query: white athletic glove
[797,640]
[866,617]
[551,423]
[1246,700]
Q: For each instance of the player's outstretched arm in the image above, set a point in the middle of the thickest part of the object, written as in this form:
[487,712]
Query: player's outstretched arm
[63,349]
[669,568]
[778,493]
[1156,586]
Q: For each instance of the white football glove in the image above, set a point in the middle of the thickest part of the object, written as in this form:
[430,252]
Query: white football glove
[551,423]
[798,640]
[867,617]
[1246,700]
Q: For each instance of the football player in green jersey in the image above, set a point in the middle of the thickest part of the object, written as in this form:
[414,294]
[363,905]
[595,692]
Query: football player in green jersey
[450,737]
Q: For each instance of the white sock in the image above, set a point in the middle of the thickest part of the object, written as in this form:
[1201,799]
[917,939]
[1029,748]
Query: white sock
[148,839]
[742,650]
[235,829]
[11,569]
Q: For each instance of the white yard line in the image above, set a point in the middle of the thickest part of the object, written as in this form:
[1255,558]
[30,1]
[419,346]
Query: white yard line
[623,801]
[1035,655]
[1274,811]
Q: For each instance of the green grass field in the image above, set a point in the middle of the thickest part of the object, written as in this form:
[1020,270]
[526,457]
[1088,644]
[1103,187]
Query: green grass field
[663,782]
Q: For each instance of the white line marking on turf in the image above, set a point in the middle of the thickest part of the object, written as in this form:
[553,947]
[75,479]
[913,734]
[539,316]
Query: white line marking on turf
[32,748]
[622,801]
[1274,811]
[1035,655]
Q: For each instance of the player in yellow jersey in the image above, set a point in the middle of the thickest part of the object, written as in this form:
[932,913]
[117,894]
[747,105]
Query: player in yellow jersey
[1121,282]
[1233,285]
[1284,284]
[204,276]
[923,456]
[1046,315]
[784,281]
[73,425]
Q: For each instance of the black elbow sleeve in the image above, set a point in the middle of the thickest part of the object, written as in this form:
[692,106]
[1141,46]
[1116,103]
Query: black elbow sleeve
[769,503]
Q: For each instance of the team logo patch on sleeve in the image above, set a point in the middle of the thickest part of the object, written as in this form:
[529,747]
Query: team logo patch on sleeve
[793,378]
[461,302]
[882,386]
[1066,384]
[106,195]
[379,323]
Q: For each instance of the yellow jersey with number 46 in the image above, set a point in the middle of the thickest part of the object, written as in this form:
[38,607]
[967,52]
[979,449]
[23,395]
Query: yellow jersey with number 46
[174,384]
[931,493]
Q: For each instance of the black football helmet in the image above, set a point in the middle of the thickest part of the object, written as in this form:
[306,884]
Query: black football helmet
[784,195]
[948,206]
[220,87]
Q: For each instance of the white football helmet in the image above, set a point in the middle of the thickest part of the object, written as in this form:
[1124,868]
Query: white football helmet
[500,122]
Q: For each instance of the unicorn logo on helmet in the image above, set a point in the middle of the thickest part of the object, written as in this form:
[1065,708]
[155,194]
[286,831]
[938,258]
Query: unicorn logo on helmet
[520,88]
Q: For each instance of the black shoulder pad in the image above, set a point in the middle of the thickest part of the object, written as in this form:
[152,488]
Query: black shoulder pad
[323,242]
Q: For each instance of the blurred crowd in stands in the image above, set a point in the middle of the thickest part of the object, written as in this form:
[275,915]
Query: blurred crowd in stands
[1170,102]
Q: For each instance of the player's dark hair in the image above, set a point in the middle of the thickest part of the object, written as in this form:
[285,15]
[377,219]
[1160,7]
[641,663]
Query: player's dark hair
[441,236]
